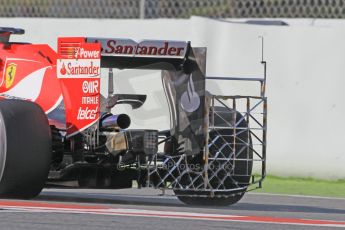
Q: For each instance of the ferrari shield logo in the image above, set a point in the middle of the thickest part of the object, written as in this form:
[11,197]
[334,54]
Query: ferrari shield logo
[10,74]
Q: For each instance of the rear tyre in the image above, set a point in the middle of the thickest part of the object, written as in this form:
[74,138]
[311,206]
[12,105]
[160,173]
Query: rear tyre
[242,169]
[25,149]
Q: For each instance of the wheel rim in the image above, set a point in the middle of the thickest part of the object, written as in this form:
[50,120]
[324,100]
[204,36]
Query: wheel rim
[3,146]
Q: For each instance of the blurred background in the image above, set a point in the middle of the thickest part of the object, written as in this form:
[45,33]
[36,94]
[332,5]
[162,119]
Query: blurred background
[303,45]
[173,8]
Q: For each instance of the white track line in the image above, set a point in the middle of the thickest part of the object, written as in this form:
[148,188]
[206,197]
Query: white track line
[58,208]
[298,196]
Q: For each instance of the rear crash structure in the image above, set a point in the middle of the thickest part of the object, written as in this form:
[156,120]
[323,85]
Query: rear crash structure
[214,151]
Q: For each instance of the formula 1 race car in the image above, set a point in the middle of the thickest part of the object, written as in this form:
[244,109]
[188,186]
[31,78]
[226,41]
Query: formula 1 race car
[56,126]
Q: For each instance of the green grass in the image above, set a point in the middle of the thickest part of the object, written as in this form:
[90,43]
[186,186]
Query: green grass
[303,186]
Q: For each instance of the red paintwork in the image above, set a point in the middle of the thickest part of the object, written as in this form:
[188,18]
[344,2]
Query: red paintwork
[78,70]
[105,210]
[29,71]
[29,58]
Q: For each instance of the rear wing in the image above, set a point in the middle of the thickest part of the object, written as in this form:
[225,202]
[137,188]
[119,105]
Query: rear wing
[127,54]
[149,54]
[183,77]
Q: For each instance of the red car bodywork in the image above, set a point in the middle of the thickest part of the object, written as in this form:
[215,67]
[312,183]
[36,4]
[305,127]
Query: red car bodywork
[29,72]
[25,69]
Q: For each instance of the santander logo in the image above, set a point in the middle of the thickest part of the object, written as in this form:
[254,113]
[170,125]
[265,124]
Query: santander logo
[79,62]
[144,48]
[63,70]
[80,68]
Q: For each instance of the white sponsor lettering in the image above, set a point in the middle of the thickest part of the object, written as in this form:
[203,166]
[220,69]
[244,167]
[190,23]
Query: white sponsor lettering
[82,53]
[90,87]
[86,114]
[89,100]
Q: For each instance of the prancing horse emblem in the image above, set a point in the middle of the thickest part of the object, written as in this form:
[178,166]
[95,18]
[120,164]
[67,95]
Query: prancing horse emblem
[10,74]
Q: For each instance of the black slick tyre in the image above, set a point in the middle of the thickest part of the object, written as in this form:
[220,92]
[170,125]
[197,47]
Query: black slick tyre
[241,169]
[25,149]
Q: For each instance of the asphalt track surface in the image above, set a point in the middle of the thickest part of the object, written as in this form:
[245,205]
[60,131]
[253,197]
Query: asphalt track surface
[146,209]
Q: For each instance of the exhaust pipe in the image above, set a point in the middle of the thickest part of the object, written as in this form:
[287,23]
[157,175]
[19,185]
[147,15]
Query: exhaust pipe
[119,121]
